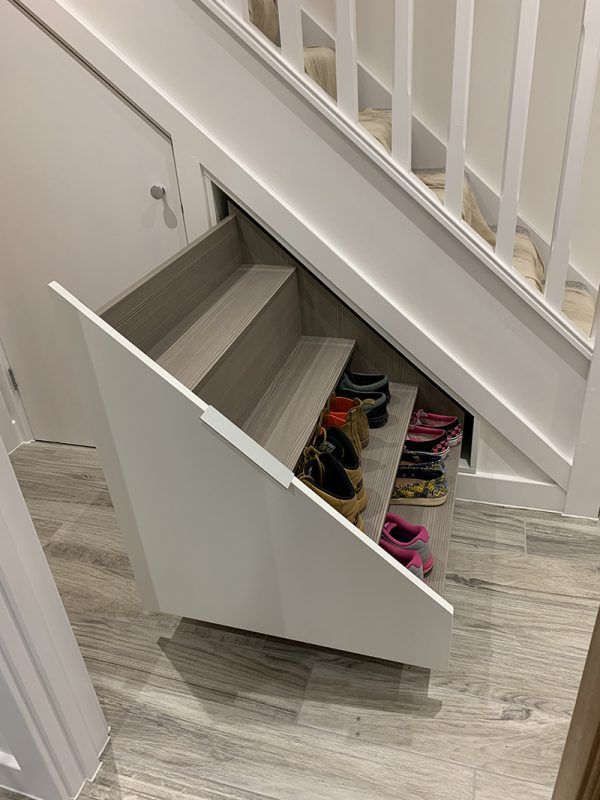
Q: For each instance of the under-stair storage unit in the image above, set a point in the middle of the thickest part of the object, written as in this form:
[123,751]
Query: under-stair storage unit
[204,383]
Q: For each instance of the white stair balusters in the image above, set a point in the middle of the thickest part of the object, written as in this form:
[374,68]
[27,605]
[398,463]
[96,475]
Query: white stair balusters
[240,8]
[345,58]
[459,108]
[290,33]
[402,88]
[582,101]
[516,129]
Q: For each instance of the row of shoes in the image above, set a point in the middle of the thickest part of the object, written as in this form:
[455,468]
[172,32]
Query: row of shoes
[421,478]
[330,465]
[408,544]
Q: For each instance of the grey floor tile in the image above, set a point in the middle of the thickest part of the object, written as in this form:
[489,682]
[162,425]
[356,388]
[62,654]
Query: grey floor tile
[477,527]
[445,720]
[567,542]
[489,786]
[517,573]
[194,739]
[201,711]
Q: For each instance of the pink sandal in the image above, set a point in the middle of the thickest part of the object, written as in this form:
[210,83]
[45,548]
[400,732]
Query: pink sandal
[450,425]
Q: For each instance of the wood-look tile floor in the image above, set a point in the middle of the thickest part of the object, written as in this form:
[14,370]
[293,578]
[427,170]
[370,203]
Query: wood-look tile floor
[198,711]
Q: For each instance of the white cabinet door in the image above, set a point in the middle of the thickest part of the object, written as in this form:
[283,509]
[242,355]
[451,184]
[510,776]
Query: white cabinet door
[76,169]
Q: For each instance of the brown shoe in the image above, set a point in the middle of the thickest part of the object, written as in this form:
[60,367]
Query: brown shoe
[336,442]
[350,410]
[324,474]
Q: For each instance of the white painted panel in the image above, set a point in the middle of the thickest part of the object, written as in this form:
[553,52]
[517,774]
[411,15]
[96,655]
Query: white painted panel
[241,8]
[497,456]
[75,205]
[290,32]
[8,434]
[402,87]
[502,490]
[216,538]
[51,719]
[516,129]
[580,116]
[7,759]
[345,58]
[14,425]
[459,106]
[493,351]
[583,492]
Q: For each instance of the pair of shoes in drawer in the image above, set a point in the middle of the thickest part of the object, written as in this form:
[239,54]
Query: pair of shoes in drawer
[409,544]
[350,416]
[420,458]
[439,422]
[336,442]
[365,382]
[426,441]
[373,390]
[418,485]
[325,475]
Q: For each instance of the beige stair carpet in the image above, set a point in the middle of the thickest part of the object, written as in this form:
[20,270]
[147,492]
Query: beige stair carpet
[263,14]
[578,302]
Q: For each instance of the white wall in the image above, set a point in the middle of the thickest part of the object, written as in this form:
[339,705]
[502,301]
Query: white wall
[75,207]
[57,747]
[497,456]
[494,35]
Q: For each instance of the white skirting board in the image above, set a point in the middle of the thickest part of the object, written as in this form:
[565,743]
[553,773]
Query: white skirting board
[217,532]
[506,490]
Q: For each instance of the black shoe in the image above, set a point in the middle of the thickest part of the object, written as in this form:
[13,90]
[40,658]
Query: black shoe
[366,382]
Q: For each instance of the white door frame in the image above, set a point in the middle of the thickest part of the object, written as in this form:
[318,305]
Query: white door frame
[50,716]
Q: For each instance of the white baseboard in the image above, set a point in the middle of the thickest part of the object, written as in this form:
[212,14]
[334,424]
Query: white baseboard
[503,490]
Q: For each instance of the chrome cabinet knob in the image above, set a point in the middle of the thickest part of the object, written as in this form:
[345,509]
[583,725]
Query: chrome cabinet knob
[157,191]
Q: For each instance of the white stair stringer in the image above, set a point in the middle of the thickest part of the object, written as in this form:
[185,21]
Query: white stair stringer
[218,530]
[367,234]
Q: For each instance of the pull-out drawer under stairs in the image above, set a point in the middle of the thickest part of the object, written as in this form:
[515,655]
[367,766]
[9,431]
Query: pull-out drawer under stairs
[205,382]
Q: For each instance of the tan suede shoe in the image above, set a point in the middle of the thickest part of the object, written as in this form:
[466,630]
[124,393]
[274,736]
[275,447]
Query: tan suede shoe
[346,410]
[338,443]
[325,475]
